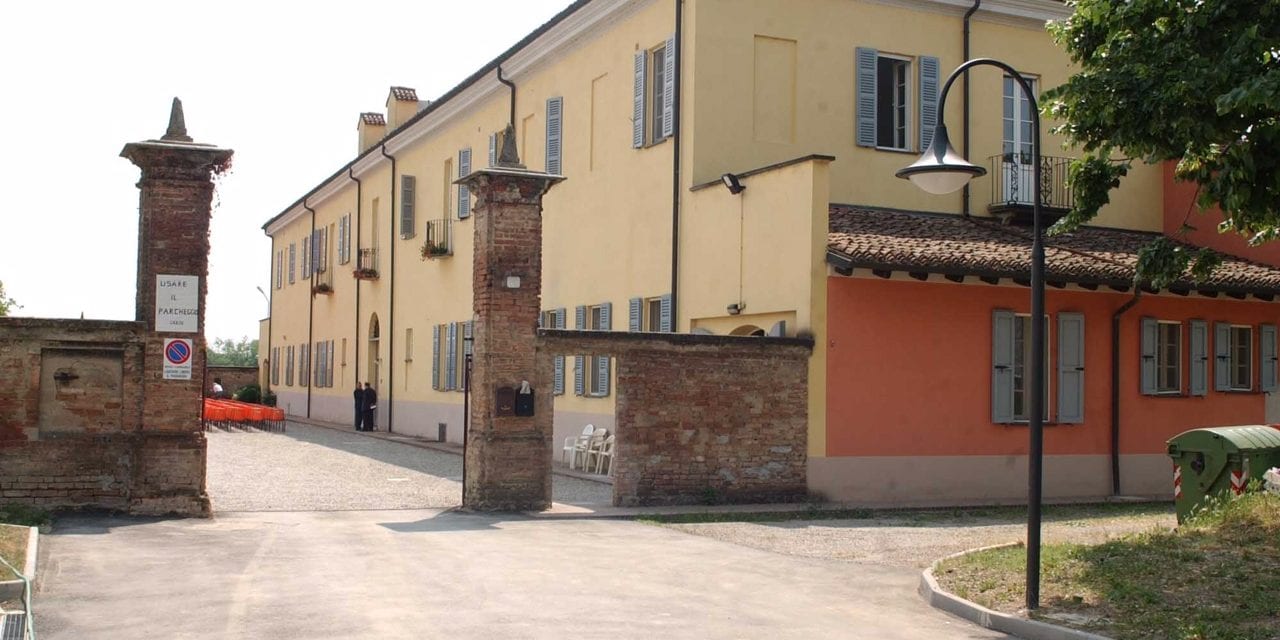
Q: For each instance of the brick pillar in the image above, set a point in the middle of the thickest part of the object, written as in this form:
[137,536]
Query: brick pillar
[173,251]
[508,458]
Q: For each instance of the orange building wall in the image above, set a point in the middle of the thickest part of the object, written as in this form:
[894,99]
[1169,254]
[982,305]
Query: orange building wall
[909,370]
[1179,198]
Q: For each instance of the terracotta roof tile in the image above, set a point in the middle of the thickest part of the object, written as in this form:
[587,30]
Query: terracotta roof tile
[373,119]
[940,243]
[404,93]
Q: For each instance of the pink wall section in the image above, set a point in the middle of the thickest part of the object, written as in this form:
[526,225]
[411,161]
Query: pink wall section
[1179,198]
[909,370]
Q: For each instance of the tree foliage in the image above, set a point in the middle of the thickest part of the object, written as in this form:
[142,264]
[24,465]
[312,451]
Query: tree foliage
[227,352]
[1194,81]
[7,304]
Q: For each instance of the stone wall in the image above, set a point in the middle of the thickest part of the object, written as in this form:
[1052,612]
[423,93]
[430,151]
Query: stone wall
[702,419]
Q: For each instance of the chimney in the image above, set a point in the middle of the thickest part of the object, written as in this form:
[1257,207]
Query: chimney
[372,128]
[402,104]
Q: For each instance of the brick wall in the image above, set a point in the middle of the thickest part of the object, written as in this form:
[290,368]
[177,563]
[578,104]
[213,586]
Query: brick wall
[232,377]
[702,418]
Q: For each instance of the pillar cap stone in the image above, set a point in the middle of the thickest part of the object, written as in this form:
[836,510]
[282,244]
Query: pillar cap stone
[175,139]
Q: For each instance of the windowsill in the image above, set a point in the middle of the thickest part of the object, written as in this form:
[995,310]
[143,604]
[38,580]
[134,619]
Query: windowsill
[403,237]
[654,143]
[1046,423]
[1239,391]
[894,149]
[596,395]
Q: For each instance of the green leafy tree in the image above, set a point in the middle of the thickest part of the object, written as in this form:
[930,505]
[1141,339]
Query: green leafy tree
[7,304]
[226,352]
[1195,81]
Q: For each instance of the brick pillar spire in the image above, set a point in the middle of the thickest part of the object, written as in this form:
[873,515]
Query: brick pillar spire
[508,460]
[176,193]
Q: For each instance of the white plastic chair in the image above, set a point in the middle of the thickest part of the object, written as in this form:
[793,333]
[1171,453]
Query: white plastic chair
[586,449]
[575,444]
[599,455]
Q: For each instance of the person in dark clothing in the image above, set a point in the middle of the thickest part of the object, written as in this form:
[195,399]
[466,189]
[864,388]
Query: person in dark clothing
[359,406]
[369,406]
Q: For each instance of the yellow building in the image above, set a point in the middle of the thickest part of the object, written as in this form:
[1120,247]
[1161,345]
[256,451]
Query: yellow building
[643,105]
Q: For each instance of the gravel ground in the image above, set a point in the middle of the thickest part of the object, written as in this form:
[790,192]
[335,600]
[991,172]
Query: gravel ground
[311,468]
[913,542]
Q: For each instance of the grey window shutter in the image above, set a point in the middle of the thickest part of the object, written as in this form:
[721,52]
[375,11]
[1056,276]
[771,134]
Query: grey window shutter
[451,357]
[779,329]
[467,349]
[408,186]
[293,260]
[555,132]
[928,99]
[635,314]
[579,362]
[558,383]
[606,313]
[1221,356]
[306,257]
[580,317]
[664,322]
[435,357]
[602,362]
[637,108]
[1071,368]
[1267,356]
[669,87]
[1199,358]
[464,195]
[493,149]
[1002,366]
[866,102]
[1150,332]
[331,358]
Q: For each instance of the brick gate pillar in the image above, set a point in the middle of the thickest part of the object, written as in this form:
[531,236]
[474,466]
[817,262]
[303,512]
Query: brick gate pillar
[176,193]
[508,457]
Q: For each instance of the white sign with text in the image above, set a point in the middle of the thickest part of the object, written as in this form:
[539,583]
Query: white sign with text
[178,303]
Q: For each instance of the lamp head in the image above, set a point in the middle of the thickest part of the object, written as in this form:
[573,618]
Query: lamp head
[732,183]
[940,168]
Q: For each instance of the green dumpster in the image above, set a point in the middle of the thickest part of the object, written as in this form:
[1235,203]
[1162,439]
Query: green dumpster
[1219,460]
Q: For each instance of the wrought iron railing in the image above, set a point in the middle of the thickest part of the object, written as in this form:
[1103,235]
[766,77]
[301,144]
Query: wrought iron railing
[438,242]
[367,264]
[1013,183]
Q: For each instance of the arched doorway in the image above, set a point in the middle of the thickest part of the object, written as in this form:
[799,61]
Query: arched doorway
[747,330]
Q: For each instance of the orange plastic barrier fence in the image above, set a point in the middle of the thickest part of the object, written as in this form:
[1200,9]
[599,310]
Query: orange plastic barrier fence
[232,414]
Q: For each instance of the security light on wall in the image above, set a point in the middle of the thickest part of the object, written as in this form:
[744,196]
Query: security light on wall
[732,183]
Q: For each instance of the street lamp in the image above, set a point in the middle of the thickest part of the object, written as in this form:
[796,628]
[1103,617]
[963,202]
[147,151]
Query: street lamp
[267,299]
[941,170]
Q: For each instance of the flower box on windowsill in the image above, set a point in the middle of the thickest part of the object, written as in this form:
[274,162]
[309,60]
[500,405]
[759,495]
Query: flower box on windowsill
[323,287]
[365,274]
[435,251]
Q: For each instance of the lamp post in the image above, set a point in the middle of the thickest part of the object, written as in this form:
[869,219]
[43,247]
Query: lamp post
[941,170]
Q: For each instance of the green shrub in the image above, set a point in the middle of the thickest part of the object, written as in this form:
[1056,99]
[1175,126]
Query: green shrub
[269,399]
[248,393]
[24,515]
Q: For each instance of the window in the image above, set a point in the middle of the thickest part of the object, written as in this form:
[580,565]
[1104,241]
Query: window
[275,365]
[650,314]
[1241,358]
[1017,133]
[408,345]
[1168,357]
[408,188]
[893,93]
[653,314]
[464,195]
[288,366]
[344,352]
[1011,363]
[1022,369]
[886,96]
[280,269]
[293,249]
[591,375]
[344,239]
[306,255]
[447,189]
[654,95]
[555,319]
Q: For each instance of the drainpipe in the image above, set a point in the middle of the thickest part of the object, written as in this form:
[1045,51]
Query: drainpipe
[1115,390]
[964,207]
[311,305]
[356,336]
[391,284]
[512,86]
[675,171]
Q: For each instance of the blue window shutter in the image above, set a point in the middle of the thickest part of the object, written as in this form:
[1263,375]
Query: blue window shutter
[464,195]
[451,357]
[1071,368]
[579,362]
[435,357]
[664,322]
[1221,356]
[408,186]
[866,106]
[558,384]
[635,313]
[555,133]
[1002,366]
[669,87]
[1199,358]
[606,313]
[637,108]
[602,362]
[928,99]
[306,257]
[580,317]
[493,149]
[1150,333]
[1267,356]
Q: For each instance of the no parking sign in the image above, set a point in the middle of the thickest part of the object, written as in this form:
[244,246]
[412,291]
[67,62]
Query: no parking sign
[177,359]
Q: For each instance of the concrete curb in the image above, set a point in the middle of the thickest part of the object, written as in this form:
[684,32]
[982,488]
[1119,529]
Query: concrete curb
[1002,622]
[12,589]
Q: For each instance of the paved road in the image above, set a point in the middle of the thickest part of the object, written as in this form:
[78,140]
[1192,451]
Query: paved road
[310,468]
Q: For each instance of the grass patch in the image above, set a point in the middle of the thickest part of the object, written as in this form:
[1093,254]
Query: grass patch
[1215,577]
[13,548]
[922,517]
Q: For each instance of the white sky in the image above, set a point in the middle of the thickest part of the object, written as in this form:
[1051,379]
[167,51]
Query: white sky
[280,83]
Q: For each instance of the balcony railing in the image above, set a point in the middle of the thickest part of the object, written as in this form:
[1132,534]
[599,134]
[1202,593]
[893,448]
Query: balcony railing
[1013,185]
[439,239]
[367,264]
[322,280]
